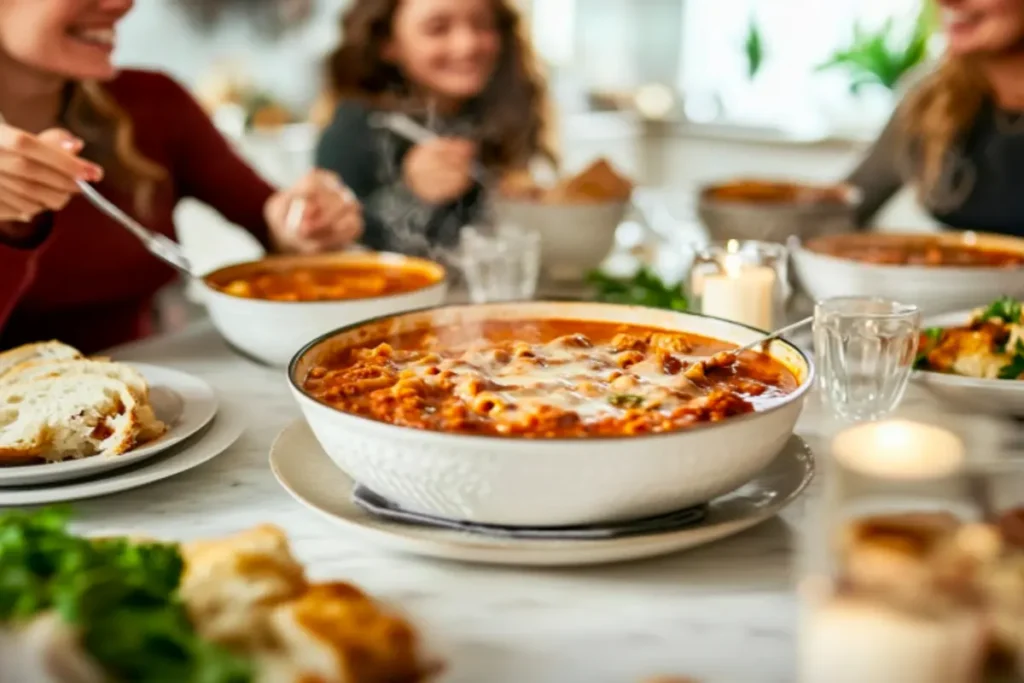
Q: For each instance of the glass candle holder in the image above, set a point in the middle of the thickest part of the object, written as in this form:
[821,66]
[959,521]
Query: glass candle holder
[895,557]
[743,281]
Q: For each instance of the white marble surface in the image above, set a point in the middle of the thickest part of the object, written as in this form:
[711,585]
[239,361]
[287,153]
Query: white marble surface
[725,613]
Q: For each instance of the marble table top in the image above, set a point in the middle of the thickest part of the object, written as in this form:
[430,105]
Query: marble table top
[724,613]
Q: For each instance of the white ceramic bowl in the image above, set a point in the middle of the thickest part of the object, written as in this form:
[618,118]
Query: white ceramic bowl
[771,220]
[1003,397]
[549,482]
[272,331]
[937,289]
[574,238]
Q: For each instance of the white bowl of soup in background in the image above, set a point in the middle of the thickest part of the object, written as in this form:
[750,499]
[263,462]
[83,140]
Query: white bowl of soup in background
[273,330]
[834,266]
[574,238]
[540,481]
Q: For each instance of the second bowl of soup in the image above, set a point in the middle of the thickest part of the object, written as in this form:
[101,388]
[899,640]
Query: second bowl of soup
[548,413]
[940,273]
[269,308]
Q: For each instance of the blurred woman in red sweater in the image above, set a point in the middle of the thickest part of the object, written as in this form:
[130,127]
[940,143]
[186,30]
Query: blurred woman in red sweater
[66,270]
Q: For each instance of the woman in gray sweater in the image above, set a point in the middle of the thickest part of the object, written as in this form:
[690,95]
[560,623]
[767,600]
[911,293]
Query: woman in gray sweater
[465,71]
[958,137]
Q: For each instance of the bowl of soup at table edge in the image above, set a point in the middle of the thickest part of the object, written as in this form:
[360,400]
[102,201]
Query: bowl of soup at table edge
[775,210]
[937,272]
[272,307]
[459,464]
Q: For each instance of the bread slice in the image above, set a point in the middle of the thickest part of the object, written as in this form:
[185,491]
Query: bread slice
[51,350]
[57,418]
[150,427]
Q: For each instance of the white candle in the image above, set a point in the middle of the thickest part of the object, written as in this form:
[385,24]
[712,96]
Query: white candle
[745,294]
[899,449]
[846,640]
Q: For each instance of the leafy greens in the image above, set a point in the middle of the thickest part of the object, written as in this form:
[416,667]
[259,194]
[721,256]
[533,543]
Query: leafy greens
[643,289]
[121,596]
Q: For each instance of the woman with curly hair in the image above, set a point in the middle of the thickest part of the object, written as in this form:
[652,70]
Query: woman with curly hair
[958,137]
[464,69]
[66,270]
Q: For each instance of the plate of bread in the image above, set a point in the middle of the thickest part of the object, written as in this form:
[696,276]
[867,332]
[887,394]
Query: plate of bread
[232,610]
[64,416]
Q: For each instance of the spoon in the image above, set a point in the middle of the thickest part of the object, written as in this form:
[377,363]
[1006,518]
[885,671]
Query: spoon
[161,246]
[722,356]
[403,125]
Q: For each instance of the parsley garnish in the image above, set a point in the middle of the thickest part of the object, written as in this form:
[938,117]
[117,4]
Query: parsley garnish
[643,289]
[626,400]
[1015,368]
[122,597]
[1004,308]
[930,337]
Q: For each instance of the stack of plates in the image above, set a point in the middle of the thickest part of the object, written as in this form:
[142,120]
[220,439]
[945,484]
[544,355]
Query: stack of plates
[198,430]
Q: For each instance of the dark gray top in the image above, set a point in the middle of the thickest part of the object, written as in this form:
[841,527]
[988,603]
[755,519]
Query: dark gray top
[369,159]
[981,185]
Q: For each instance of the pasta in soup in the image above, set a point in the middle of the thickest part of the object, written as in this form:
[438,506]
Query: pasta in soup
[325,283]
[548,378]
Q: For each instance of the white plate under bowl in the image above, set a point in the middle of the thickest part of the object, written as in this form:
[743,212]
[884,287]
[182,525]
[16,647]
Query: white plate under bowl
[184,402]
[988,396]
[216,438]
[308,474]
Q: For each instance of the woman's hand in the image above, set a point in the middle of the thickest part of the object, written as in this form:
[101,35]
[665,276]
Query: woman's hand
[38,172]
[317,214]
[441,170]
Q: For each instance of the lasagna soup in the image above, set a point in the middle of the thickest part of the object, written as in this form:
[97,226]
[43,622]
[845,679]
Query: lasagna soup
[548,378]
[326,283]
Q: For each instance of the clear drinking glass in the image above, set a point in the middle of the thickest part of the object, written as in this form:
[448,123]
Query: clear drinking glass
[502,264]
[865,349]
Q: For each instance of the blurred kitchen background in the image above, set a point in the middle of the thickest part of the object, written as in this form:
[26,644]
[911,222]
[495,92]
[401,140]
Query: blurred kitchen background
[673,92]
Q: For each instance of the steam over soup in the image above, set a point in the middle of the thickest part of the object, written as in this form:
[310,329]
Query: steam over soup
[548,378]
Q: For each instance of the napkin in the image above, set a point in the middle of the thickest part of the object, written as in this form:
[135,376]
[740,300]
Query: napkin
[379,506]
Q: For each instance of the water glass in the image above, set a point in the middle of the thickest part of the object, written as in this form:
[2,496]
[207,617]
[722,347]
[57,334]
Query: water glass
[502,264]
[865,349]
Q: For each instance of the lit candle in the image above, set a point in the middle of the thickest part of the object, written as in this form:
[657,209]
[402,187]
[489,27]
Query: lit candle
[899,449]
[847,640]
[744,294]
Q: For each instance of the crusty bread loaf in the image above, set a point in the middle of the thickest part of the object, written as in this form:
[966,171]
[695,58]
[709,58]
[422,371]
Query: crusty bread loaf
[150,427]
[58,418]
[51,350]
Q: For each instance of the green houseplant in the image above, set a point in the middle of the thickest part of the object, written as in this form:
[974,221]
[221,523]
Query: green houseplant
[881,57]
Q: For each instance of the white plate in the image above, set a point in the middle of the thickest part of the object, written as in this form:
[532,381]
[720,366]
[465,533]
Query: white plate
[211,442]
[309,475]
[988,396]
[184,402]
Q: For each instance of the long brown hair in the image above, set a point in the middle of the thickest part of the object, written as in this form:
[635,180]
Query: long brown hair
[514,108]
[93,114]
[937,114]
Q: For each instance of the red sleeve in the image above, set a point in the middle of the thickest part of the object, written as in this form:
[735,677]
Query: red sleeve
[17,267]
[207,168]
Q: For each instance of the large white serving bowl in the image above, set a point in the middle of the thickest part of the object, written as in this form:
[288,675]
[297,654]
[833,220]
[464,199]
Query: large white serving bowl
[1004,397]
[272,331]
[574,238]
[549,482]
[935,289]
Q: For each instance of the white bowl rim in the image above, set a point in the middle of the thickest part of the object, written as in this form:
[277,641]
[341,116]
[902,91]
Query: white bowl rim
[796,246]
[355,256]
[439,436]
[1002,386]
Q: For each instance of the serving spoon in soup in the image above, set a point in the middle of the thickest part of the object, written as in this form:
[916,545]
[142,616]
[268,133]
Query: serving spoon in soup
[725,357]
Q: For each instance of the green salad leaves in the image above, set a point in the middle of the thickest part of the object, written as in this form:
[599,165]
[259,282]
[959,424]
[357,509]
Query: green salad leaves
[1004,308]
[122,596]
[643,289]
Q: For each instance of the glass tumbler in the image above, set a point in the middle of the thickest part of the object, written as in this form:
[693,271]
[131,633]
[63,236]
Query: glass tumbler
[865,349]
[502,264]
